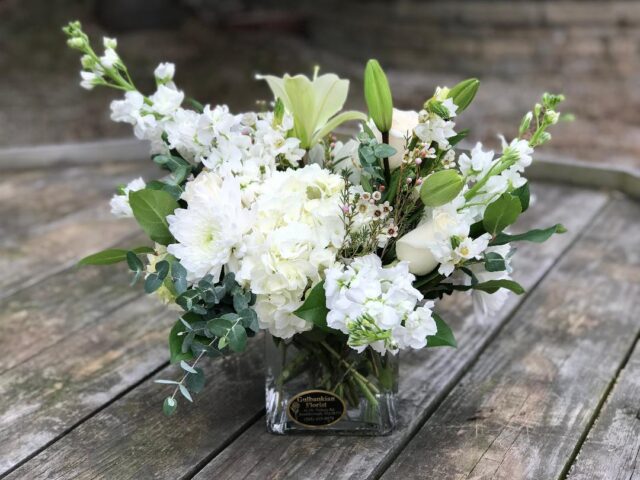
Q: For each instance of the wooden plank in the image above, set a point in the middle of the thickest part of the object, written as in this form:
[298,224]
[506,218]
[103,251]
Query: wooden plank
[612,449]
[33,198]
[108,151]
[46,395]
[425,375]
[38,317]
[132,439]
[522,409]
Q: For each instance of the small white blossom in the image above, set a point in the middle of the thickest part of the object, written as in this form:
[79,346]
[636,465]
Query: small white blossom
[120,202]
[164,72]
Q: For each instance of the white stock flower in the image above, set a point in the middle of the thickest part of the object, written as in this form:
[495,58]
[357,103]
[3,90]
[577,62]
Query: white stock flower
[435,129]
[377,306]
[164,72]
[165,101]
[89,79]
[522,148]
[479,162]
[120,202]
[110,58]
[210,229]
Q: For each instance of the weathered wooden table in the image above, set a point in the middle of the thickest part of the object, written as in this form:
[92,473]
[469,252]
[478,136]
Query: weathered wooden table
[550,388]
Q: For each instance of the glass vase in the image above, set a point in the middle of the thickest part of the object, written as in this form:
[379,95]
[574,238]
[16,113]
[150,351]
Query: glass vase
[316,383]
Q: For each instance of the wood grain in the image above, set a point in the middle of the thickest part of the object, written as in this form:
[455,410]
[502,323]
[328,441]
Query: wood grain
[132,439]
[46,395]
[612,449]
[425,375]
[520,412]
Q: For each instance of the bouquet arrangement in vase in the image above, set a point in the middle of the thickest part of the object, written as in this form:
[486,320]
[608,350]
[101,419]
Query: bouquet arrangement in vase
[338,249]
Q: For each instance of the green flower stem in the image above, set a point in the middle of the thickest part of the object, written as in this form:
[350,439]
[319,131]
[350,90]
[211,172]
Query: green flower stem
[355,373]
[387,167]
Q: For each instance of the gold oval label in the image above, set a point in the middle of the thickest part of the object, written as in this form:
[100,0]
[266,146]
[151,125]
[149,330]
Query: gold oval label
[316,408]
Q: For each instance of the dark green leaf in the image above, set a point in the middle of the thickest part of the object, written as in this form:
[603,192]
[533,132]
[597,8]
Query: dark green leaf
[501,213]
[175,344]
[152,283]
[314,309]
[493,262]
[179,277]
[111,255]
[150,209]
[195,381]
[249,319]
[169,406]
[162,269]
[492,286]
[523,195]
[219,326]
[382,150]
[237,338]
[443,337]
[135,264]
[537,235]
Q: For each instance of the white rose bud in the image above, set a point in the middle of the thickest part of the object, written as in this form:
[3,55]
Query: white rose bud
[402,125]
[413,248]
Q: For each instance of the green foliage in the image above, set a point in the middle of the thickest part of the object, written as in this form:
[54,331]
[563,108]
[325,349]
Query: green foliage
[523,195]
[441,187]
[492,286]
[536,235]
[314,309]
[377,95]
[169,406]
[494,262]
[371,153]
[178,166]
[501,213]
[444,335]
[464,92]
[112,255]
[151,208]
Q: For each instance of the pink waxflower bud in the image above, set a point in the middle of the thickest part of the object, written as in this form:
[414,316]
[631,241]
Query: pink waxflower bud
[409,180]
[419,181]
[418,161]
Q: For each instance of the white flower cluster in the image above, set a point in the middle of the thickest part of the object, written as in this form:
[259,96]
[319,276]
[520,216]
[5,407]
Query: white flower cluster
[295,236]
[377,306]
[249,146]
[120,202]
[434,129]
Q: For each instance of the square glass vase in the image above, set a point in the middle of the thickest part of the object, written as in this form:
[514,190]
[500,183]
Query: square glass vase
[316,383]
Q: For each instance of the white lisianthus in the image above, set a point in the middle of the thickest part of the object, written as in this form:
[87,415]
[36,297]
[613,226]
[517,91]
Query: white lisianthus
[209,231]
[402,124]
[377,306]
[295,237]
[120,202]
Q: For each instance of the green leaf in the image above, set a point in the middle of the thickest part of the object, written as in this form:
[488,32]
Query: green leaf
[501,213]
[195,381]
[169,406]
[249,319]
[179,277]
[494,262]
[464,92]
[186,367]
[314,309]
[523,194]
[382,150]
[175,344]
[377,95]
[151,208]
[335,122]
[135,264]
[112,255]
[237,338]
[185,393]
[152,283]
[219,326]
[492,286]
[536,235]
[162,269]
[441,187]
[443,337]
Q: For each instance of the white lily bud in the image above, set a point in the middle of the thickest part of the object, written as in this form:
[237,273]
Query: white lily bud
[413,248]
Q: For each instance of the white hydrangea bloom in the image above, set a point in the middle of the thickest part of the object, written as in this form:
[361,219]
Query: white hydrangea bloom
[210,230]
[120,202]
[296,234]
[377,306]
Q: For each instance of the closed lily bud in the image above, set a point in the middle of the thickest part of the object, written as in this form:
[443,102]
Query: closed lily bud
[378,96]
[464,92]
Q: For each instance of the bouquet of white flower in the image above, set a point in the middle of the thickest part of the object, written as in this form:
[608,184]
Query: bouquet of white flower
[338,249]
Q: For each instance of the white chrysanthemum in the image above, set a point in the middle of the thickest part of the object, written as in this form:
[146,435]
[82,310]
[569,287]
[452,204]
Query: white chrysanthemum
[377,306]
[296,234]
[209,231]
[120,202]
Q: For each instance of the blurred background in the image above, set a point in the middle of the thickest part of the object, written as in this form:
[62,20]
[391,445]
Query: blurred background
[590,50]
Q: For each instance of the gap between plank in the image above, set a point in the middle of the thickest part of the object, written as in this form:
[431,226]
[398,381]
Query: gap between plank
[596,413]
[384,466]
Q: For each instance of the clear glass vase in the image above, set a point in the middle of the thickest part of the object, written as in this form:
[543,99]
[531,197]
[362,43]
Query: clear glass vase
[316,383]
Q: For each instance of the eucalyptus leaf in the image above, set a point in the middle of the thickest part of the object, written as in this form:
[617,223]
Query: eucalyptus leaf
[169,406]
[195,381]
[185,393]
[135,264]
[237,338]
[175,344]
[494,262]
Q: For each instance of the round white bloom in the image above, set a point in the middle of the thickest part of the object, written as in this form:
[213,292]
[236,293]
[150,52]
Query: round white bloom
[402,124]
[209,231]
[165,101]
[120,202]
[296,234]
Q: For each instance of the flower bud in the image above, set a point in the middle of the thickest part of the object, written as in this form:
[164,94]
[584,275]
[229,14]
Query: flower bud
[109,42]
[526,122]
[464,92]
[413,248]
[551,117]
[76,42]
[441,187]
[377,94]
